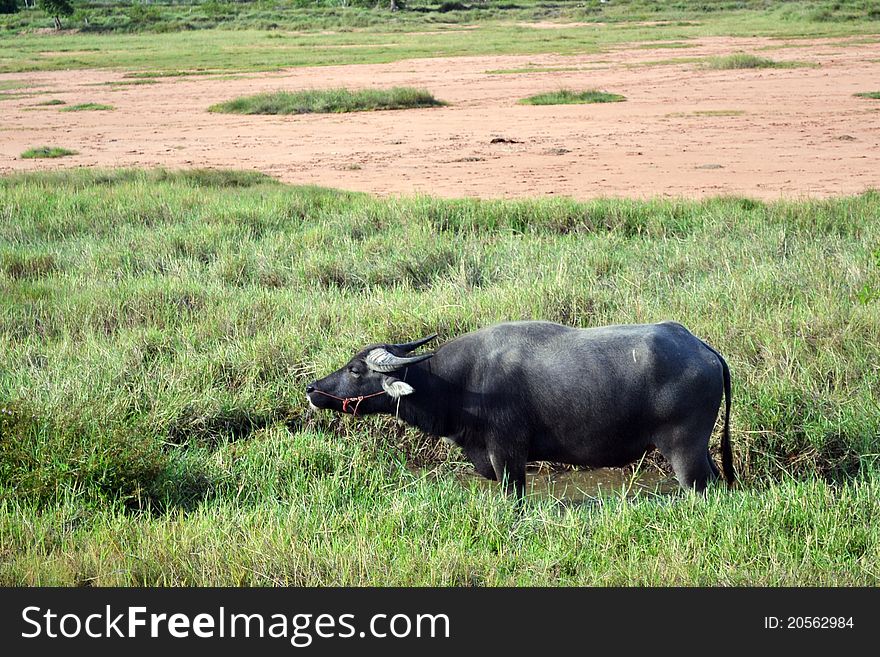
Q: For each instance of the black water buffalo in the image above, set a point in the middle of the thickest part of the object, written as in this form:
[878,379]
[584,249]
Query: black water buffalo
[539,391]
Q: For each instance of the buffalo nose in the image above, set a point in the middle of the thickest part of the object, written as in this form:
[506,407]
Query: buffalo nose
[310,389]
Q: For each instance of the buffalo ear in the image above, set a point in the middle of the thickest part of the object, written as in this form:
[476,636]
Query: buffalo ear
[395,387]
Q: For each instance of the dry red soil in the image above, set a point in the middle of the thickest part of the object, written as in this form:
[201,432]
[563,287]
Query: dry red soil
[684,130]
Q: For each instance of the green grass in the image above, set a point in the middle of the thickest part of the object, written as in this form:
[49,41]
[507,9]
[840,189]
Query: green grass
[50,103]
[87,107]
[46,151]
[316,512]
[673,45]
[710,113]
[157,330]
[328,101]
[14,96]
[122,84]
[744,60]
[868,94]
[7,85]
[533,69]
[259,37]
[568,97]
[718,112]
[131,17]
[674,61]
[149,76]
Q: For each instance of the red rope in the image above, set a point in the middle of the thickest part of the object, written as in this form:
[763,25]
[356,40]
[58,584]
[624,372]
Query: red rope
[347,400]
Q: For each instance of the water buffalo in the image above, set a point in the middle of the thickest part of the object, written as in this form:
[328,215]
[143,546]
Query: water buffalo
[539,391]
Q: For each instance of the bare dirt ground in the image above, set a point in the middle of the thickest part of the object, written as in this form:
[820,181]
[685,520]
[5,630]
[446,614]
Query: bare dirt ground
[683,131]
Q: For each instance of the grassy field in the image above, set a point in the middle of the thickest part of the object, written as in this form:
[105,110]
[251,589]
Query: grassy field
[130,16]
[157,330]
[268,35]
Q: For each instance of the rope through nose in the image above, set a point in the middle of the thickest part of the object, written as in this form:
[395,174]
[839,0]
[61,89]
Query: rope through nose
[348,400]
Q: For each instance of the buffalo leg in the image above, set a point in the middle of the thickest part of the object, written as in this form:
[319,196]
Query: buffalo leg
[715,471]
[692,471]
[686,447]
[510,469]
[478,455]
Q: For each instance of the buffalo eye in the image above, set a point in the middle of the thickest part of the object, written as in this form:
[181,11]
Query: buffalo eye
[354,372]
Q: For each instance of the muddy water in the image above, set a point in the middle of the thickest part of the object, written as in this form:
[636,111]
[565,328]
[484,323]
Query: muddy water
[586,485]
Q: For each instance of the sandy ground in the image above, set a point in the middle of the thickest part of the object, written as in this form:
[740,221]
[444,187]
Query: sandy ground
[684,130]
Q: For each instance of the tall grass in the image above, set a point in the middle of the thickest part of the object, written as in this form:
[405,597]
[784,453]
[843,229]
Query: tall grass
[129,16]
[328,101]
[568,97]
[745,60]
[330,514]
[157,330]
[87,107]
[183,38]
[46,152]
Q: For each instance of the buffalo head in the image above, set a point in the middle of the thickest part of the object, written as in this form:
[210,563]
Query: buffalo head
[371,382]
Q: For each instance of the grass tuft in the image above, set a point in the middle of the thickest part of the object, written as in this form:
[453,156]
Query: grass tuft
[868,94]
[23,265]
[123,84]
[47,151]
[87,107]
[744,60]
[568,97]
[148,75]
[707,113]
[7,85]
[50,103]
[532,69]
[328,101]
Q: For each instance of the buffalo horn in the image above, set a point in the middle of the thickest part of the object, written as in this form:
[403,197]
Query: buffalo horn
[381,360]
[407,347]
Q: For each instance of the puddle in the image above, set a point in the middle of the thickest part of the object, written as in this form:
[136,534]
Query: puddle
[585,485]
